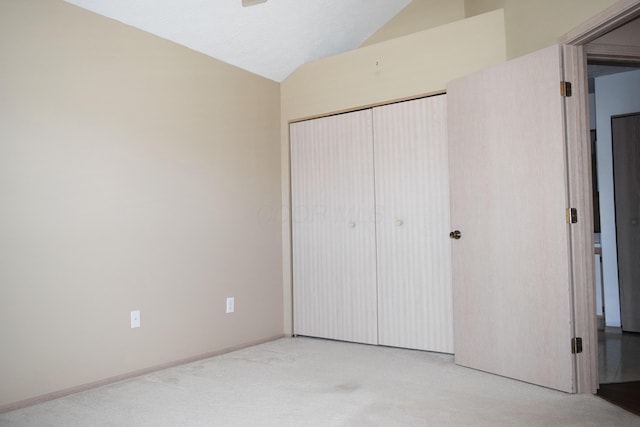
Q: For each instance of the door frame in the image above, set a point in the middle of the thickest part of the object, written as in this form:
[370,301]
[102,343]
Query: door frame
[579,173]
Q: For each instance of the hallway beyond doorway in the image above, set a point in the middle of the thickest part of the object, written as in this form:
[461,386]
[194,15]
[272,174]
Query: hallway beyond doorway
[618,359]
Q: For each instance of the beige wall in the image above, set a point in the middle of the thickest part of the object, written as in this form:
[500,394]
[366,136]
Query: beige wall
[419,15]
[532,25]
[408,66]
[134,174]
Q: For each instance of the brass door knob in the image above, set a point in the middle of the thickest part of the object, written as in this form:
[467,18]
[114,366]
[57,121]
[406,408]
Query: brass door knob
[456,235]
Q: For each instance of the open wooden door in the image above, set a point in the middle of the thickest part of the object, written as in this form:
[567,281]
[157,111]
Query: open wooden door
[512,290]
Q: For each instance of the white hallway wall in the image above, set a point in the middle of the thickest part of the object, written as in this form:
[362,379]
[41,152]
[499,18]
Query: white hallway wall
[615,94]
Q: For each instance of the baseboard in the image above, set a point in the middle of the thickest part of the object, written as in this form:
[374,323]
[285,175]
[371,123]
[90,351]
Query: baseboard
[95,384]
[613,329]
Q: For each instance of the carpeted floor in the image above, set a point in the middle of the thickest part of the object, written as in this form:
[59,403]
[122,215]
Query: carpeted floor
[625,395]
[305,382]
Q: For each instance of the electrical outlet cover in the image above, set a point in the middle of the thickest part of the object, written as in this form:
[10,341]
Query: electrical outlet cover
[135,319]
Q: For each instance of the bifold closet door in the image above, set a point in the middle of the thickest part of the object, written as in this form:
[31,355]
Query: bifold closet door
[413,245]
[333,228]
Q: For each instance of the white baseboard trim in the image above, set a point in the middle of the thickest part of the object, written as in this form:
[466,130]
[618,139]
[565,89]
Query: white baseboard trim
[95,384]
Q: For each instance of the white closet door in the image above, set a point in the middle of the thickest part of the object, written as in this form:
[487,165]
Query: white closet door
[413,245]
[334,283]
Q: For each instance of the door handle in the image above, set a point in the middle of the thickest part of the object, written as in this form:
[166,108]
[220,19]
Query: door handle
[456,235]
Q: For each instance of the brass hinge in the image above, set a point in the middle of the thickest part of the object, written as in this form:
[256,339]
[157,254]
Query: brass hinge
[572,215]
[565,89]
[576,345]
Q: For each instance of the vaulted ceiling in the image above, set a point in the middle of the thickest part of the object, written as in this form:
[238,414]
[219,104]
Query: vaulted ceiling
[270,39]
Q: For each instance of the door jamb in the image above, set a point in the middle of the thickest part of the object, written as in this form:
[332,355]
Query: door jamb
[579,149]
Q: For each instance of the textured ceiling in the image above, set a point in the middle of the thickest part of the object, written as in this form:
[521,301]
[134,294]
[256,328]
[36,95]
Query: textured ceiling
[270,39]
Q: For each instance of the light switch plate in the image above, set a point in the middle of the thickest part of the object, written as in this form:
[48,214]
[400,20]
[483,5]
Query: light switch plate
[230,304]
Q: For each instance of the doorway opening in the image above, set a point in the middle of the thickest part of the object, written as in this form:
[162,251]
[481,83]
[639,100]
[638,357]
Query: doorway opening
[613,36]
[618,344]
[614,93]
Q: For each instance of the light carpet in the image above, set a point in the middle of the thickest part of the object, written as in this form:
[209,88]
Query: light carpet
[312,382]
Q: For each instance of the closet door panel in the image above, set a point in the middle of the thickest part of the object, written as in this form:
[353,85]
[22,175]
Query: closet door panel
[413,245]
[333,228]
